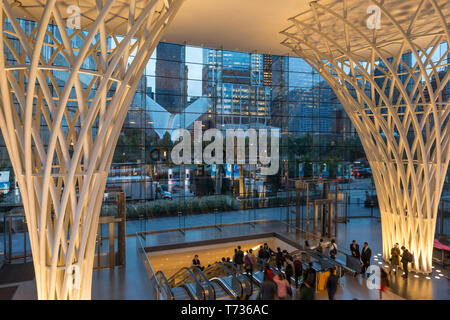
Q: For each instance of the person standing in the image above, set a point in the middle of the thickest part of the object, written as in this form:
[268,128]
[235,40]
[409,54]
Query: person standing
[239,258]
[395,259]
[298,270]
[354,249]
[250,262]
[332,284]
[366,254]
[289,270]
[406,258]
[321,246]
[310,276]
[261,254]
[267,253]
[268,289]
[279,258]
[268,271]
[284,288]
[333,249]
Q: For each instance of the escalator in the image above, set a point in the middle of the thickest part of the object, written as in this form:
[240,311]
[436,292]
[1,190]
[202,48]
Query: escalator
[217,282]
[225,281]
[185,285]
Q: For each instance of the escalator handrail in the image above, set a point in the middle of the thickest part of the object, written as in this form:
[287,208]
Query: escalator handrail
[192,275]
[188,291]
[165,284]
[203,279]
[224,286]
[233,271]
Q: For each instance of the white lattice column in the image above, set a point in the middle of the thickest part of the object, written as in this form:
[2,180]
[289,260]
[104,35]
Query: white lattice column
[391,74]
[64,96]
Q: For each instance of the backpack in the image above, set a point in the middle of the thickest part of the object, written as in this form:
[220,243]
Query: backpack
[410,257]
[333,251]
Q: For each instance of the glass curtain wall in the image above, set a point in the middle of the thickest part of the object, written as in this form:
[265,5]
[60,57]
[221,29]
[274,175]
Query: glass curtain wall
[226,90]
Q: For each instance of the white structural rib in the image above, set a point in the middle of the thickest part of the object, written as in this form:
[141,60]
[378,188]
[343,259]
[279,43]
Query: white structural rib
[394,84]
[60,135]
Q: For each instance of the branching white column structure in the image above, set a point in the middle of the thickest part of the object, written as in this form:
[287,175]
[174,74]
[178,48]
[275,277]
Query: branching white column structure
[64,96]
[388,63]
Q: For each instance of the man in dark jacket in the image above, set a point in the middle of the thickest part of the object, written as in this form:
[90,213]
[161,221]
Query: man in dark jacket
[366,254]
[310,276]
[279,258]
[332,284]
[239,258]
[406,258]
[298,270]
[354,249]
[268,289]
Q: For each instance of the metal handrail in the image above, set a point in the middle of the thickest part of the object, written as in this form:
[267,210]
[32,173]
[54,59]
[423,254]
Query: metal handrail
[148,267]
[204,280]
[200,290]
[166,285]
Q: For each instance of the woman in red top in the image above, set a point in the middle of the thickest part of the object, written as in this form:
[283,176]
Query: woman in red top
[269,272]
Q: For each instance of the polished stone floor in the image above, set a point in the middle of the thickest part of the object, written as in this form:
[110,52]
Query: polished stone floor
[131,282]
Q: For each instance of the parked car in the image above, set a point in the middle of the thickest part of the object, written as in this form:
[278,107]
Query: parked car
[358,173]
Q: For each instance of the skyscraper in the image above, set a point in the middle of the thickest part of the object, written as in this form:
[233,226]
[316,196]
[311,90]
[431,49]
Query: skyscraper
[239,85]
[171,82]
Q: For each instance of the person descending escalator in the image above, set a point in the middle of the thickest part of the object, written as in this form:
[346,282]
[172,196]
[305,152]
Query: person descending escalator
[289,268]
[261,254]
[307,289]
[310,276]
[298,270]
[268,271]
[283,287]
[268,289]
[250,262]
[279,258]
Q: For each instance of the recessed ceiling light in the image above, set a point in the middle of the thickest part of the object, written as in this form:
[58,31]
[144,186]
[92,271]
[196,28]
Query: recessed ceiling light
[428,278]
[416,276]
[441,274]
[437,277]
[438,270]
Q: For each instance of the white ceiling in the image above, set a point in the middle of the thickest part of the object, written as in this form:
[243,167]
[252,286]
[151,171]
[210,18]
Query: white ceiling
[242,25]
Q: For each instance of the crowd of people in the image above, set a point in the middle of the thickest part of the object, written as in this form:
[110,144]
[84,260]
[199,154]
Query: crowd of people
[292,274]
